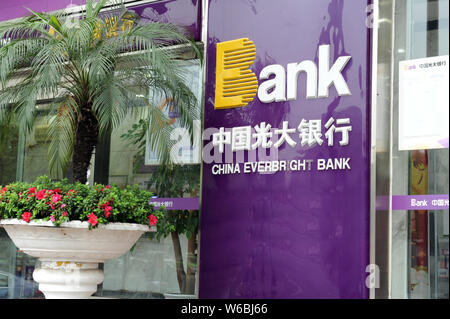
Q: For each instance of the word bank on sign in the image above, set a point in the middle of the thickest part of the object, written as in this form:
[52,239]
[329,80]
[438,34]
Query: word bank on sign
[237,85]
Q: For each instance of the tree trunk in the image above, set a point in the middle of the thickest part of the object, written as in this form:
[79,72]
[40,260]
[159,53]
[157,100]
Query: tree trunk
[181,274]
[85,141]
[191,268]
[191,264]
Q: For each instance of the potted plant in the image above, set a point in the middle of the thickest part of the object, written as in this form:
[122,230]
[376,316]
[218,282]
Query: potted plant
[71,227]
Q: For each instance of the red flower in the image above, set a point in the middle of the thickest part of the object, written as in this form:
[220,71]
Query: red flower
[31,191]
[105,204]
[56,198]
[27,216]
[4,190]
[41,194]
[64,214]
[108,210]
[108,186]
[92,219]
[153,220]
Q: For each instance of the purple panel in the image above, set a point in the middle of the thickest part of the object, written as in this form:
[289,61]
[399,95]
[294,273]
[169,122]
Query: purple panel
[189,203]
[290,234]
[185,13]
[12,9]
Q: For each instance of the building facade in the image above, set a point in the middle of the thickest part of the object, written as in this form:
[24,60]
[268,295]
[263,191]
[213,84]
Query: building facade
[322,164]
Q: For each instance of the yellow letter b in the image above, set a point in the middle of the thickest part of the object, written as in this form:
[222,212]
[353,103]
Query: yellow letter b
[236,84]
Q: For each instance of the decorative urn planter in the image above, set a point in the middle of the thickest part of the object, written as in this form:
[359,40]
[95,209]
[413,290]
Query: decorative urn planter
[70,253]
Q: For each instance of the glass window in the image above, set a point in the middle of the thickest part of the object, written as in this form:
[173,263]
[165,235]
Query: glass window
[16,271]
[427,36]
[8,155]
[412,160]
[164,267]
[36,147]
[22,158]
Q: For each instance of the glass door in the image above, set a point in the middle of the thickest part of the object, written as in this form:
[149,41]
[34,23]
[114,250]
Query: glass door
[412,156]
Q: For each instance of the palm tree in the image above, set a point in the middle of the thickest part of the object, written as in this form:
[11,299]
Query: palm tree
[87,68]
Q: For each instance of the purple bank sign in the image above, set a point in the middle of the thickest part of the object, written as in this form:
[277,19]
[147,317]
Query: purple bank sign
[285,193]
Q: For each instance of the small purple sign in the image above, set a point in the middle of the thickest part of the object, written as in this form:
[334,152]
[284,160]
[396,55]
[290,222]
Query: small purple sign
[189,203]
[420,202]
[444,142]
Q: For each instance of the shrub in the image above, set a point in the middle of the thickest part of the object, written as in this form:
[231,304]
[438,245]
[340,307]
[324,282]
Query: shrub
[61,201]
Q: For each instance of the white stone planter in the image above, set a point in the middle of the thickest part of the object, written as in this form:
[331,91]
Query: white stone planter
[70,253]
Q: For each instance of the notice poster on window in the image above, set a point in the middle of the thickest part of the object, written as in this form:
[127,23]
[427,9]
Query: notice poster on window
[183,151]
[423,103]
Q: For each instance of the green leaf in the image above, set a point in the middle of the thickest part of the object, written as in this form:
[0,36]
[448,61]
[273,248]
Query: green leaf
[39,15]
[55,24]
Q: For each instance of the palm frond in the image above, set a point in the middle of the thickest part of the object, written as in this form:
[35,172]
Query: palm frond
[109,104]
[61,133]
[159,135]
[17,53]
[48,65]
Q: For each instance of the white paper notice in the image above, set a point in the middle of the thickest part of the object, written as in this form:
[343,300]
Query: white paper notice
[424,103]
